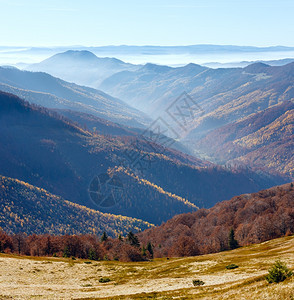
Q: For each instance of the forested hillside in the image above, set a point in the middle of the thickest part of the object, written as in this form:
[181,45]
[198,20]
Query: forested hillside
[254,218]
[48,151]
[263,140]
[32,210]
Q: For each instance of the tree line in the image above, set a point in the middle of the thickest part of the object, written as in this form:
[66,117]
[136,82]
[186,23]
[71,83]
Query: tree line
[81,246]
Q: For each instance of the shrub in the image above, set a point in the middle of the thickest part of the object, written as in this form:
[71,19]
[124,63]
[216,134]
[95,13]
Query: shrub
[231,266]
[66,252]
[92,254]
[278,272]
[104,279]
[198,282]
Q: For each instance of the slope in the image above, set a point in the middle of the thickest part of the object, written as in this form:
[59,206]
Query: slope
[156,279]
[262,140]
[48,151]
[81,67]
[225,95]
[255,218]
[43,89]
[29,209]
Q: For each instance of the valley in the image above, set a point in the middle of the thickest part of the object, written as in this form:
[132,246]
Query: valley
[146,150]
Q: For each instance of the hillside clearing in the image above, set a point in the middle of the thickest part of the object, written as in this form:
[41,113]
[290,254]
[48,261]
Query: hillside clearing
[57,278]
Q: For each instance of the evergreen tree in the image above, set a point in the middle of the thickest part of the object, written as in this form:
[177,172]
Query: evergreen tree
[104,237]
[278,272]
[92,254]
[133,239]
[66,252]
[233,243]
[120,237]
[150,249]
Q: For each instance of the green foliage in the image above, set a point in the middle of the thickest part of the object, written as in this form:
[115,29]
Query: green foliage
[231,266]
[92,254]
[233,243]
[104,237]
[150,249]
[66,252]
[104,279]
[133,239]
[278,272]
[197,282]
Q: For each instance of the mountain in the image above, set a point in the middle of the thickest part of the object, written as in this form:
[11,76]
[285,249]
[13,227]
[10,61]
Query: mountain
[43,89]
[224,95]
[29,209]
[81,67]
[214,98]
[254,218]
[261,140]
[48,151]
[146,87]
[242,64]
[94,123]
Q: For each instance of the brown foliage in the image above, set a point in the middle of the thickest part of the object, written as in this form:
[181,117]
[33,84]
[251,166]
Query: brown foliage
[254,217]
[82,246]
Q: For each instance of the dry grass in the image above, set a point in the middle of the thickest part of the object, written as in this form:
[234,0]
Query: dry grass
[57,278]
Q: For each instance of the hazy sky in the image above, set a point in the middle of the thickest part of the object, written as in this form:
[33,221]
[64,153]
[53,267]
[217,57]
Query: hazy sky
[152,22]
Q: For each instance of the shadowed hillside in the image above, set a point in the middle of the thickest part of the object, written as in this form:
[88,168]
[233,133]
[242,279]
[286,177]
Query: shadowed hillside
[29,209]
[45,90]
[48,151]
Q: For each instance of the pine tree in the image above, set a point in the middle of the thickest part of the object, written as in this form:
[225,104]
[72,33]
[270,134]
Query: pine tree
[92,254]
[104,237]
[133,239]
[66,252]
[150,249]
[233,243]
[278,272]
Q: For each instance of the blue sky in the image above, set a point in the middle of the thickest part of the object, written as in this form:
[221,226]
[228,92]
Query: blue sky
[170,22]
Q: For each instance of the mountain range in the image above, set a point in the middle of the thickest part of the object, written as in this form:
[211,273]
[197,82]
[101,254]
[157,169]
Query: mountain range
[48,91]
[81,67]
[48,151]
[60,140]
[261,140]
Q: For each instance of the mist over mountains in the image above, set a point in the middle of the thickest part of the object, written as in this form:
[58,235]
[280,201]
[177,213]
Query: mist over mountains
[165,55]
[86,113]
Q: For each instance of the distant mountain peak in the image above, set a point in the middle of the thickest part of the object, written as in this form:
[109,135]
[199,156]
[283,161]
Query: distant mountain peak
[81,54]
[257,67]
[156,68]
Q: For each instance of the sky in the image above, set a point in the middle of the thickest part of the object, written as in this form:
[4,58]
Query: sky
[152,22]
